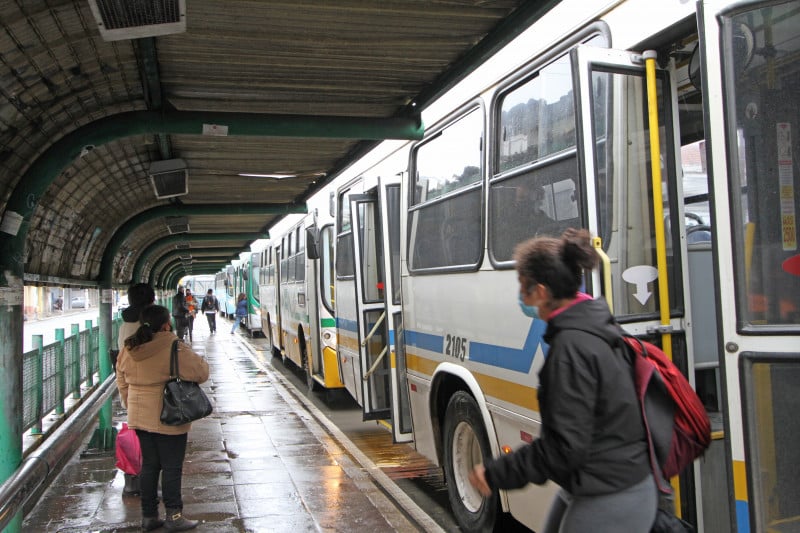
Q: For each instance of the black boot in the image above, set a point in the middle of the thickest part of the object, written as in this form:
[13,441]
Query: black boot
[131,485]
[177,522]
[149,523]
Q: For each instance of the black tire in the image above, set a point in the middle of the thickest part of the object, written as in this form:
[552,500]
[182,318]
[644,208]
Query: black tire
[311,383]
[466,444]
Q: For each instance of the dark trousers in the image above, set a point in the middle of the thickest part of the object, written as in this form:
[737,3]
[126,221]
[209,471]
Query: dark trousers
[161,454]
[190,325]
[212,321]
[181,323]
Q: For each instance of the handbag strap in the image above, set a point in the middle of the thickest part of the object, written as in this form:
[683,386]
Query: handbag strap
[173,360]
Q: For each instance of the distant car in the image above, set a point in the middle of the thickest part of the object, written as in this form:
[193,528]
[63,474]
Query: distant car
[77,302]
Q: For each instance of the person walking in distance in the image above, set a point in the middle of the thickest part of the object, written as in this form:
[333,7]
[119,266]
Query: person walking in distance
[241,311]
[179,312]
[142,372]
[191,305]
[209,307]
[592,442]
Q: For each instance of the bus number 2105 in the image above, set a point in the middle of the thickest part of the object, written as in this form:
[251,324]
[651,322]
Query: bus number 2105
[455,346]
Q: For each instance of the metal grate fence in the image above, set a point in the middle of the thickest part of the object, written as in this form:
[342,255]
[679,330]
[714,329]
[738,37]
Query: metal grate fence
[52,373]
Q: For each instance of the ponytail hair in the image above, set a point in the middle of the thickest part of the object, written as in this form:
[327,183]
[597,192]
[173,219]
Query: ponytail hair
[153,318]
[557,263]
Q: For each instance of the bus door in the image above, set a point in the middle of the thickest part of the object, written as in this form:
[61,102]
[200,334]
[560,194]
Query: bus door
[637,224]
[389,202]
[372,330]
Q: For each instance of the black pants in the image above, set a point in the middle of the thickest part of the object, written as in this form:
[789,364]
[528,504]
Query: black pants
[161,454]
[181,323]
[212,321]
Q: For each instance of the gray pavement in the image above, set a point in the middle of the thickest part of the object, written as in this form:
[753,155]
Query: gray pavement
[261,462]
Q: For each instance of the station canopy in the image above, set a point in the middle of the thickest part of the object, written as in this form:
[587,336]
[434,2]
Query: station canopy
[138,136]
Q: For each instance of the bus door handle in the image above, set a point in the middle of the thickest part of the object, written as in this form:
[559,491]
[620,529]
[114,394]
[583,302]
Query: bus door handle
[375,364]
[374,329]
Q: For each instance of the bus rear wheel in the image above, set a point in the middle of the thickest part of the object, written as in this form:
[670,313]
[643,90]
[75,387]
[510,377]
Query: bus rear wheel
[465,446]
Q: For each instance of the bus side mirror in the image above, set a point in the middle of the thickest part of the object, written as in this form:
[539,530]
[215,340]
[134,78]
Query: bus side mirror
[312,243]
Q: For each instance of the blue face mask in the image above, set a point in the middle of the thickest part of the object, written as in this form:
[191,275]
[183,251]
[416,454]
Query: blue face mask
[529,310]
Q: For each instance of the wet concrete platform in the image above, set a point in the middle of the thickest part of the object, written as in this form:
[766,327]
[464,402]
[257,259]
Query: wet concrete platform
[260,462]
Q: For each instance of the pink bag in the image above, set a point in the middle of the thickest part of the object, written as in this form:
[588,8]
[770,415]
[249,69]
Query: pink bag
[129,453]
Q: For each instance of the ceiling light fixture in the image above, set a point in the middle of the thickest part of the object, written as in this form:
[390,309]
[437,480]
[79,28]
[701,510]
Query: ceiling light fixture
[272,176]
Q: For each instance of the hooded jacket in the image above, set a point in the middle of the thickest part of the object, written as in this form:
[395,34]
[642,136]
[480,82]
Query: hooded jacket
[142,373]
[130,323]
[592,437]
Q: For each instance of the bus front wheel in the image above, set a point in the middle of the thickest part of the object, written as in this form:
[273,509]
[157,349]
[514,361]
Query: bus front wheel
[465,446]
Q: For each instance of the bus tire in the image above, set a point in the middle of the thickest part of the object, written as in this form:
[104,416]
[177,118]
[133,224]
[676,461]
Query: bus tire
[466,445]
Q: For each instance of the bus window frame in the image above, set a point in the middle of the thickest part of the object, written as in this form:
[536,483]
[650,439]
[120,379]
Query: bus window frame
[745,324]
[474,105]
[597,30]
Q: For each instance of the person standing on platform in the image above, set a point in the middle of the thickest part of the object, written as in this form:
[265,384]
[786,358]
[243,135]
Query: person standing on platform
[241,311]
[140,296]
[191,305]
[179,312]
[209,307]
[142,372]
[592,441]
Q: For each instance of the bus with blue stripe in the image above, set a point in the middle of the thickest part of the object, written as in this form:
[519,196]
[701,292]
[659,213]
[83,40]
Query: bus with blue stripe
[665,128]
[296,297]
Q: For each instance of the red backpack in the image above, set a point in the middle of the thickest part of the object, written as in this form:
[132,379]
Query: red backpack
[677,426]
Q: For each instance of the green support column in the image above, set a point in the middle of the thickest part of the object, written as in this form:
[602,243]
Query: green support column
[105,435]
[10,376]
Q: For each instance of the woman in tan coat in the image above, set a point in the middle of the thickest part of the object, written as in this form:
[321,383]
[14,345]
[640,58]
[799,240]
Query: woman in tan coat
[142,372]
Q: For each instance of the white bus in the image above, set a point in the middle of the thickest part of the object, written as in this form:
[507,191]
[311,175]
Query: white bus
[554,131]
[296,294]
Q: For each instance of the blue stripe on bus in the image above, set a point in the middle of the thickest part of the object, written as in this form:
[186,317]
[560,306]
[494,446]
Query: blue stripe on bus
[426,341]
[516,359]
[742,516]
[349,325]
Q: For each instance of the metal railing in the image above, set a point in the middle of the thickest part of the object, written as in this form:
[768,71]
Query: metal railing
[52,374]
[40,467]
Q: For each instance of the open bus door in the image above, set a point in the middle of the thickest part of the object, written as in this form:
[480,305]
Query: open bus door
[635,208]
[376,244]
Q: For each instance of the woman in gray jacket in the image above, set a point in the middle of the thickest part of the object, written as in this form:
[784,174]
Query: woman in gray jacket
[592,441]
[142,372]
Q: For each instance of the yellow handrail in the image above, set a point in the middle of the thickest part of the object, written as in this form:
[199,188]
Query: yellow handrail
[658,222]
[597,242]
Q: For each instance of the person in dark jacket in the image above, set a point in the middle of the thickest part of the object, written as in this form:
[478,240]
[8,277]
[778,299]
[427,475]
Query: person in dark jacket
[592,441]
[209,307]
[180,312]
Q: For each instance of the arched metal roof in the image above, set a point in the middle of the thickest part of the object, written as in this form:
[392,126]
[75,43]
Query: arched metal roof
[301,87]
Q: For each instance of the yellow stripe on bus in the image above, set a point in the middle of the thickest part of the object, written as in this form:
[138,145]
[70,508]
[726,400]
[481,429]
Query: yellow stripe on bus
[499,388]
[739,481]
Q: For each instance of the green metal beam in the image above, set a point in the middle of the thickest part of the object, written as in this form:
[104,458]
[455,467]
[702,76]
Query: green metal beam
[171,259]
[176,276]
[144,256]
[196,253]
[179,270]
[127,229]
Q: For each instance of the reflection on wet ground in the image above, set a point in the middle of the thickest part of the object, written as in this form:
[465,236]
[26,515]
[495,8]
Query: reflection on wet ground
[258,463]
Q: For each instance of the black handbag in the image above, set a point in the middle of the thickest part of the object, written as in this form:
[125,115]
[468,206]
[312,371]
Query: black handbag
[184,401]
[667,522]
